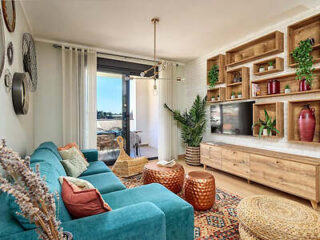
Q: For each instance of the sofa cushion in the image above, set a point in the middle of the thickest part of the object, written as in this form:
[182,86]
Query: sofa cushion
[8,224]
[74,167]
[105,182]
[174,208]
[51,147]
[96,167]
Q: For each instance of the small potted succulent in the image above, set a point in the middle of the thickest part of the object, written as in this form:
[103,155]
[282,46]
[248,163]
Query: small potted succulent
[287,89]
[239,94]
[266,127]
[213,98]
[218,97]
[270,65]
[261,68]
[233,95]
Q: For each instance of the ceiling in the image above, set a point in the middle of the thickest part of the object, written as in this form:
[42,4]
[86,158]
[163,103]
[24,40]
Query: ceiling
[187,29]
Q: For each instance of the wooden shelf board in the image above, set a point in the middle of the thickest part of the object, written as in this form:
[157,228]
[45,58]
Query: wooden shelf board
[257,135]
[287,94]
[303,142]
[268,72]
[236,99]
[214,101]
[293,65]
[234,84]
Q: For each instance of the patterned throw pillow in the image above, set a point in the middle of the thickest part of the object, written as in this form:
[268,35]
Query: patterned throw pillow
[74,167]
[80,183]
[82,203]
[72,151]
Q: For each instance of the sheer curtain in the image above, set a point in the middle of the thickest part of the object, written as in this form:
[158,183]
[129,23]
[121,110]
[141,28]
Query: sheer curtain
[167,135]
[79,67]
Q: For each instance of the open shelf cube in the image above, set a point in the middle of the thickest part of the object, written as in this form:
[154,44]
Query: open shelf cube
[277,66]
[307,28]
[294,108]
[274,110]
[267,45]
[220,61]
[236,87]
[289,79]
[214,92]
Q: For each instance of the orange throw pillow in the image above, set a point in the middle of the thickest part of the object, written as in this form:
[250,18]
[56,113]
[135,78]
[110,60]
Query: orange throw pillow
[82,203]
[71,145]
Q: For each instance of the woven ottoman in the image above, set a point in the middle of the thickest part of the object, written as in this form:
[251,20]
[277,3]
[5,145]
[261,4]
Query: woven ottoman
[275,218]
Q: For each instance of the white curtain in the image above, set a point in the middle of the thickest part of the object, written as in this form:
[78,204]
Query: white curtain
[167,135]
[79,67]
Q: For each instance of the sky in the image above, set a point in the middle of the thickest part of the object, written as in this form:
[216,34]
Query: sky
[109,94]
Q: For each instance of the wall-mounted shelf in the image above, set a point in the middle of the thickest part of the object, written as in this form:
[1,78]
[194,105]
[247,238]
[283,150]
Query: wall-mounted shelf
[289,79]
[221,91]
[277,66]
[267,45]
[294,108]
[275,110]
[220,61]
[236,87]
[307,28]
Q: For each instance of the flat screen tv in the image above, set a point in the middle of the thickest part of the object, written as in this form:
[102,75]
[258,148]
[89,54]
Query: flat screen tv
[233,118]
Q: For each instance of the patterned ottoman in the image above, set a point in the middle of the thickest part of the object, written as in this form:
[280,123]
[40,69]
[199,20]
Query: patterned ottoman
[275,218]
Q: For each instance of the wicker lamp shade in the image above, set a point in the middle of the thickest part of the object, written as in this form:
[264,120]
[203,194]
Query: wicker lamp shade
[275,218]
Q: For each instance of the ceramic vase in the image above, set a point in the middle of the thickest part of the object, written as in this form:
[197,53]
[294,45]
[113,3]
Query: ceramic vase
[273,87]
[270,68]
[306,123]
[287,90]
[304,86]
[239,95]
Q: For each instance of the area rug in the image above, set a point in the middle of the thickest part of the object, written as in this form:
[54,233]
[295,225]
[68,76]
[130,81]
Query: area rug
[218,223]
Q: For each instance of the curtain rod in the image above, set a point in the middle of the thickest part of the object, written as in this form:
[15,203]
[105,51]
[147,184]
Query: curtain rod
[101,51]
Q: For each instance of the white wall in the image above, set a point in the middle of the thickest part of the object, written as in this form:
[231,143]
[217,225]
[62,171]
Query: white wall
[195,72]
[17,130]
[48,98]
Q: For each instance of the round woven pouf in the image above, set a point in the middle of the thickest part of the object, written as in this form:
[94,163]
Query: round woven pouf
[172,178]
[200,190]
[275,218]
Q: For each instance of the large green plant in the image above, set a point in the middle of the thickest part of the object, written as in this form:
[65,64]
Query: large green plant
[192,123]
[268,124]
[303,58]
[213,75]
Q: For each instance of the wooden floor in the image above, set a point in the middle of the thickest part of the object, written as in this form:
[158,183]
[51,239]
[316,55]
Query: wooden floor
[240,186]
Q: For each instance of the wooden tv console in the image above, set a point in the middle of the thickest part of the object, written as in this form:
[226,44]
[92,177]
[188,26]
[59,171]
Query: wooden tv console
[294,174]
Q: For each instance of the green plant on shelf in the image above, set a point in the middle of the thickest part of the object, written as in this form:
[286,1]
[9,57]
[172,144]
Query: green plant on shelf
[271,63]
[233,93]
[287,86]
[268,124]
[213,75]
[304,59]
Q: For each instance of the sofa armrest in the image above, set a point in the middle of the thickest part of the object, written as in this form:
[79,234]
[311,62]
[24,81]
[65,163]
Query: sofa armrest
[135,222]
[90,154]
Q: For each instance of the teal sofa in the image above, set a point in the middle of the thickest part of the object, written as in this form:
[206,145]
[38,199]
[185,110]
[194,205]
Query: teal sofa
[149,212]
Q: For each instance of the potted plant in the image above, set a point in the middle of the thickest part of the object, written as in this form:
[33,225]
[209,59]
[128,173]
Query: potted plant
[239,94]
[193,125]
[304,60]
[266,127]
[213,75]
[261,68]
[287,89]
[218,97]
[213,98]
[233,95]
[270,65]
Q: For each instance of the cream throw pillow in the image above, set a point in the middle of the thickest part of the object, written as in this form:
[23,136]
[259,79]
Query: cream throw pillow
[74,167]
[80,183]
[73,153]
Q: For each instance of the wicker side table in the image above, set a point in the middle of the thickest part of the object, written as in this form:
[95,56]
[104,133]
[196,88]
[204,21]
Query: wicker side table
[200,190]
[172,178]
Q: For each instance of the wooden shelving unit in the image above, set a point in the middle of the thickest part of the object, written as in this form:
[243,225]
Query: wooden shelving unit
[267,45]
[242,86]
[294,108]
[284,80]
[277,63]
[307,28]
[221,91]
[220,61]
[275,110]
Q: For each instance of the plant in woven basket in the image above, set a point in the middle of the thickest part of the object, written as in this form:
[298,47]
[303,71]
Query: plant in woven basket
[30,193]
[213,75]
[303,58]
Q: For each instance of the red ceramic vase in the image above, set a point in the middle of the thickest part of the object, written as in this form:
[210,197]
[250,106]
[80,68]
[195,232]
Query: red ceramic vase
[273,87]
[304,86]
[307,123]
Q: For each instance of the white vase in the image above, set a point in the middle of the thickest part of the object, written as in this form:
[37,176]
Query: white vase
[261,70]
[287,91]
[218,99]
[270,68]
[212,99]
[240,96]
[233,97]
[265,132]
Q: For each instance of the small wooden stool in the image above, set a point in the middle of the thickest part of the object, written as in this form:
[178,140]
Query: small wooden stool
[200,190]
[125,166]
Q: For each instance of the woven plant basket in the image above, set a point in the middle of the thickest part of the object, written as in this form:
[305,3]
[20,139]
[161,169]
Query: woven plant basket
[193,156]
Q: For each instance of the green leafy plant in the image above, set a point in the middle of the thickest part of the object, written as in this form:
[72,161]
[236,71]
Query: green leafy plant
[303,58]
[287,86]
[213,75]
[233,93]
[268,124]
[239,93]
[270,63]
[192,123]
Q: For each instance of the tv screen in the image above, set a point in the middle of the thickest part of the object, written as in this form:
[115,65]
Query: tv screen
[233,118]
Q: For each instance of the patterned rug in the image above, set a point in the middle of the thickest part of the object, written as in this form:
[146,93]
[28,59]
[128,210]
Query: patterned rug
[218,223]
